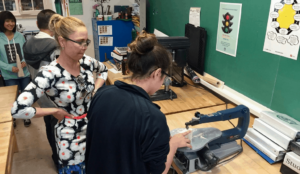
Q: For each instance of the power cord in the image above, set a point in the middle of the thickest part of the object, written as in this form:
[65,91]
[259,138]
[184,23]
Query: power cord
[233,156]
[241,143]
[231,123]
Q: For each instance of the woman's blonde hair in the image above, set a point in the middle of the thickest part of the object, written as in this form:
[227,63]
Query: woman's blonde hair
[63,26]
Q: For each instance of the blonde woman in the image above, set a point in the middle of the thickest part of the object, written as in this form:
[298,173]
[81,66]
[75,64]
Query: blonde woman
[69,83]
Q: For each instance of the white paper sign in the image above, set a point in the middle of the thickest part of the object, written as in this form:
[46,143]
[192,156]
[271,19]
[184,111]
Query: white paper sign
[283,34]
[105,41]
[158,33]
[104,30]
[194,18]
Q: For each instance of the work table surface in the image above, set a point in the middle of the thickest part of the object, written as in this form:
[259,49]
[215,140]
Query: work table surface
[7,97]
[188,97]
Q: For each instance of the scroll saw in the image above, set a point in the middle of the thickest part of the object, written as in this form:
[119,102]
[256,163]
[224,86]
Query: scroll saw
[210,145]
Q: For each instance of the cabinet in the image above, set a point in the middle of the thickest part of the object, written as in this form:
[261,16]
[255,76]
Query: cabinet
[110,34]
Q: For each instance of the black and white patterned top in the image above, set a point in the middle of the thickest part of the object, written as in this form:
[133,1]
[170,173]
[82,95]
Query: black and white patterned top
[67,93]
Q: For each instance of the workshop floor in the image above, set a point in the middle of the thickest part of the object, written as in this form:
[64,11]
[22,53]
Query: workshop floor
[34,156]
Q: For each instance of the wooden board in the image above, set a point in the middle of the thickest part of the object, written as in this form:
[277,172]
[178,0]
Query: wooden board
[188,97]
[8,96]
[8,90]
[5,115]
[248,162]
[7,147]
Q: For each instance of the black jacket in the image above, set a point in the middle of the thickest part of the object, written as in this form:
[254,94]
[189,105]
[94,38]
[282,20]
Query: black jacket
[127,133]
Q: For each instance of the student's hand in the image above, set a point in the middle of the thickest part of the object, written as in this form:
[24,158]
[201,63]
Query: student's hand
[15,69]
[23,64]
[60,114]
[179,140]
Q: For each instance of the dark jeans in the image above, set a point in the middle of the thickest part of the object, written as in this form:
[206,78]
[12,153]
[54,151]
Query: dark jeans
[22,82]
[50,122]
[1,81]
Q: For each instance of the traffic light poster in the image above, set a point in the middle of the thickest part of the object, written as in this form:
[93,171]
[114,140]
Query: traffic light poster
[282,36]
[228,28]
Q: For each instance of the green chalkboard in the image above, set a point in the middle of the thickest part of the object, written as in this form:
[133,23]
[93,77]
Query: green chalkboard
[268,79]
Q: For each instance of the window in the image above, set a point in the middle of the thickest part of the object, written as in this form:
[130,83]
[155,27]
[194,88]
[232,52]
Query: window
[25,7]
[32,5]
[7,5]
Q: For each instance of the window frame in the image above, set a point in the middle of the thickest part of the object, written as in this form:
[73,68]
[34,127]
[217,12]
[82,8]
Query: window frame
[25,14]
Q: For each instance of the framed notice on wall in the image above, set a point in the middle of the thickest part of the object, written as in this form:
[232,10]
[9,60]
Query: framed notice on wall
[75,7]
[105,30]
[283,29]
[228,28]
[105,41]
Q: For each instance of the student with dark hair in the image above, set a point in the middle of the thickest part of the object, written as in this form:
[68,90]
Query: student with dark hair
[11,44]
[39,51]
[127,133]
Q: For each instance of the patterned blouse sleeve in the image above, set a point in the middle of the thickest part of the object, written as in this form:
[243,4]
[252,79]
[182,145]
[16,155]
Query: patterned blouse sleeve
[99,68]
[22,108]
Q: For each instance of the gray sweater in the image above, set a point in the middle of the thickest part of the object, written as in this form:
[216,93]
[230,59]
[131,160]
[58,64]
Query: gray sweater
[40,52]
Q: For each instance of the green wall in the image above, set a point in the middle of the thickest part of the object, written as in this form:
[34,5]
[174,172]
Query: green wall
[268,79]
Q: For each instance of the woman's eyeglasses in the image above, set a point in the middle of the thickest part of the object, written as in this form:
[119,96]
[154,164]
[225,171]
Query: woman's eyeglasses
[162,71]
[83,43]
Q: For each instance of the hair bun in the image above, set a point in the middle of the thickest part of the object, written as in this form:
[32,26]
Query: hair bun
[53,21]
[144,43]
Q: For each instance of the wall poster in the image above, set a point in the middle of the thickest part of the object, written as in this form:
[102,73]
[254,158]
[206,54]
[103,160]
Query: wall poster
[105,30]
[282,36]
[105,41]
[75,7]
[228,28]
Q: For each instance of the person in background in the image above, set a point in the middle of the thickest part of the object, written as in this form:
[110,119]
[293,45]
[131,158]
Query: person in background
[69,83]
[41,50]
[11,44]
[127,133]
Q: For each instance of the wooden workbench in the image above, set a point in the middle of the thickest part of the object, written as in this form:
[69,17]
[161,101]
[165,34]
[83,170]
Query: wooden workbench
[188,97]
[8,95]
[8,143]
[8,146]
[248,162]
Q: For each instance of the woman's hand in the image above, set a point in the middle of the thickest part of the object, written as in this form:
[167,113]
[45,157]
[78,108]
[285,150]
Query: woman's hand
[23,64]
[60,114]
[179,140]
[15,69]
[176,141]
